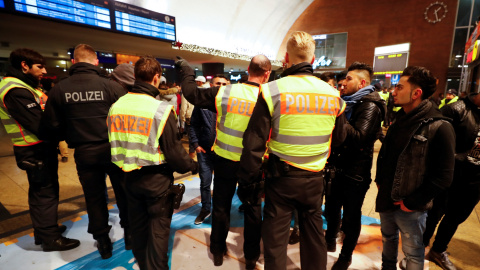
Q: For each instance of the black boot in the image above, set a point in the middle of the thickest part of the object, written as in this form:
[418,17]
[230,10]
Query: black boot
[61,229]
[104,246]
[60,244]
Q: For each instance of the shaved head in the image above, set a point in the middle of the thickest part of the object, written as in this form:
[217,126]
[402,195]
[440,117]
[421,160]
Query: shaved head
[259,65]
[85,53]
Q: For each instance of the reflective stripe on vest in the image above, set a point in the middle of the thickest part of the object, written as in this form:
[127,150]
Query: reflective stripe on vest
[444,102]
[303,110]
[18,134]
[135,123]
[235,105]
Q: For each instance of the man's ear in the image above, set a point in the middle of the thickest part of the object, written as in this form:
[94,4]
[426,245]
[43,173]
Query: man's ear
[417,93]
[24,66]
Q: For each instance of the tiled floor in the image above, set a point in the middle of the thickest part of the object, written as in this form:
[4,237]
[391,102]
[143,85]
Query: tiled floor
[15,221]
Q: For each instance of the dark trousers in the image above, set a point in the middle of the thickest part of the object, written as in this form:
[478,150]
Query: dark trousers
[149,214]
[43,191]
[303,191]
[225,183]
[349,193]
[93,163]
[205,163]
[434,216]
[463,196]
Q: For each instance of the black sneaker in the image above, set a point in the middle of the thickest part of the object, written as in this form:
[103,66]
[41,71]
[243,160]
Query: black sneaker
[342,263]
[441,259]
[202,216]
[294,236]
[104,246]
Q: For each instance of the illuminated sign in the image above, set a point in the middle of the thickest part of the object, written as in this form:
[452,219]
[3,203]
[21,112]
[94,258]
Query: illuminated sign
[322,62]
[136,20]
[125,58]
[88,12]
[393,63]
[2,4]
[235,78]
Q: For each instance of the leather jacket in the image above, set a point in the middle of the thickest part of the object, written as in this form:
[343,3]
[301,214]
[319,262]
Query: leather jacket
[466,121]
[355,156]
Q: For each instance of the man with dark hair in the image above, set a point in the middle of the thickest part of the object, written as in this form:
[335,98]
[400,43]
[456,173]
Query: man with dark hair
[219,80]
[234,104]
[21,108]
[77,108]
[458,202]
[352,161]
[340,79]
[149,152]
[329,77]
[414,165]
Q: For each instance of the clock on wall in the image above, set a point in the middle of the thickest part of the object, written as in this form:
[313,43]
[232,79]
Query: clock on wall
[435,12]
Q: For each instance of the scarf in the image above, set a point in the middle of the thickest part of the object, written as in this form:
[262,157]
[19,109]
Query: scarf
[352,100]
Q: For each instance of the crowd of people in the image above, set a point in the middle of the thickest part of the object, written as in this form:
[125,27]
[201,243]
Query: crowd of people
[289,142]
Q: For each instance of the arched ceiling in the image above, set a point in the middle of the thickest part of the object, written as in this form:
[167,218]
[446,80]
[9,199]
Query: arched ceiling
[246,27]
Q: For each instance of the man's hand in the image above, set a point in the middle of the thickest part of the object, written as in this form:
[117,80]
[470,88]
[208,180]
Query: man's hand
[251,193]
[200,150]
[192,155]
[181,63]
[402,206]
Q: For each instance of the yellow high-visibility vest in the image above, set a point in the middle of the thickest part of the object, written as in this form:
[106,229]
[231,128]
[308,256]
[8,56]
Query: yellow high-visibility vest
[18,134]
[303,110]
[135,123]
[235,105]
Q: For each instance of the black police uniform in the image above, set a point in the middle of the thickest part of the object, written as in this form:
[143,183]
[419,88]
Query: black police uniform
[225,181]
[150,210]
[77,109]
[43,190]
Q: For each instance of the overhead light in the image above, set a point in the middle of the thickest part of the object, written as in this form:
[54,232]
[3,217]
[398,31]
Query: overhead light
[196,68]
[69,52]
[57,66]
[449,80]
[458,56]
[64,70]
[230,72]
[63,62]
[459,66]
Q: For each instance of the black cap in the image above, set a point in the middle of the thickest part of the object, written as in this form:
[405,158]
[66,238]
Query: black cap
[452,91]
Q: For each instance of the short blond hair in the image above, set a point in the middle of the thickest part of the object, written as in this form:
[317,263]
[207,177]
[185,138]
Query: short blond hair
[301,45]
[84,53]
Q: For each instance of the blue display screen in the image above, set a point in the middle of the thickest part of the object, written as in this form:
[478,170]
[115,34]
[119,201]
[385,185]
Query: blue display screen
[89,12]
[136,20]
[2,4]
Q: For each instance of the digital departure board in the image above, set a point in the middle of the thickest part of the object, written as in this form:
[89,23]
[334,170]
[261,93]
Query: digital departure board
[393,63]
[136,20]
[104,14]
[89,12]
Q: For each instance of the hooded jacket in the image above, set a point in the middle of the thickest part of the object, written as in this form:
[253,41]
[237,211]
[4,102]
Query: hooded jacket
[169,95]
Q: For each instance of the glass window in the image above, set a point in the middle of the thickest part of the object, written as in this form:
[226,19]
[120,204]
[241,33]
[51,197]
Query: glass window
[330,51]
[464,9]
[456,59]
[476,12]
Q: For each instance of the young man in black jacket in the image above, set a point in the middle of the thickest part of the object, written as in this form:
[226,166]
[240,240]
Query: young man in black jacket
[21,109]
[464,194]
[352,161]
[414,165]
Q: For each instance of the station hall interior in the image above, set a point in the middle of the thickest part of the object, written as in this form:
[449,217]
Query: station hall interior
[220,37]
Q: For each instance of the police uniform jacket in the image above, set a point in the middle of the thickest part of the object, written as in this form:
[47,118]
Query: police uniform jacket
[170,144]
[77,106]
[256,138]
[23,107]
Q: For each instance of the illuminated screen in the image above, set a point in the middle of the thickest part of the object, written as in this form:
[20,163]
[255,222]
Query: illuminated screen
[2,4]
[88,12]
[140,21]
[393,63]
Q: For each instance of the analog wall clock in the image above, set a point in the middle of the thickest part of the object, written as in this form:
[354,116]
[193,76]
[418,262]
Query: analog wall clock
[435,12]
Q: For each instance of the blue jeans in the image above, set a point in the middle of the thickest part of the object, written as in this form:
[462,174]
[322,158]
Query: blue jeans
[205,163]
[412,226]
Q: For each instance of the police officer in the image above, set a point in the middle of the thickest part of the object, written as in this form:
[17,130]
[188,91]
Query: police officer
[77,109]
[145,144]
[234,104]
[296,115]
[21,107]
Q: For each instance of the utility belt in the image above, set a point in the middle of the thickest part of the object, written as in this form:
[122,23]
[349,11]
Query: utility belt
[175,194]
[331,172]
[276,168]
